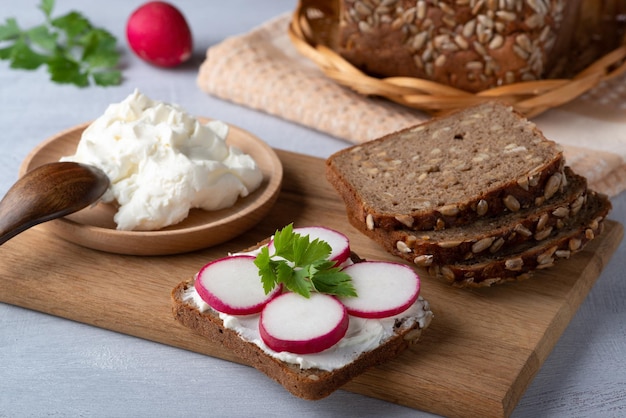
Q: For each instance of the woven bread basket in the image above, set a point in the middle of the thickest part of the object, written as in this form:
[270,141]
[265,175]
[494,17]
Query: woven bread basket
[310,30]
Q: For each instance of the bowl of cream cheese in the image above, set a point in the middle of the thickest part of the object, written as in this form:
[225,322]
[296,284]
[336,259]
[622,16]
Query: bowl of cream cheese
[178,183]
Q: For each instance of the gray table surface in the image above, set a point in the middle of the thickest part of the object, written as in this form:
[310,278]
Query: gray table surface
[55,367]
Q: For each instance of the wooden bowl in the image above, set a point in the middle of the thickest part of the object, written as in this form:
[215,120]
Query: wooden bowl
[94,227]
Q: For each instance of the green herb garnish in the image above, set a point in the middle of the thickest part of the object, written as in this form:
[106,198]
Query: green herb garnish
[74,51]
[302,266]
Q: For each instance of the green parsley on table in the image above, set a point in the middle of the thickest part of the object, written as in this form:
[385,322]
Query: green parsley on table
[302,266]
[74,51]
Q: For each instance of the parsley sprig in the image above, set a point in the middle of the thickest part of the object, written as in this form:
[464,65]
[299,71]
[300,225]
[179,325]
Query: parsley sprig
[74,51]
[302,266]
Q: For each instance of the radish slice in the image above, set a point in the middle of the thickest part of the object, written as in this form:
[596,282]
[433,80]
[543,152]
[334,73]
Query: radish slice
[339,243]
[232,285]
[384,289]
[293,323]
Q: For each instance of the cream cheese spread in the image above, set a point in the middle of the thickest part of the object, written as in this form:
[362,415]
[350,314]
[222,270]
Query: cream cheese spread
[162,162]
[363,334]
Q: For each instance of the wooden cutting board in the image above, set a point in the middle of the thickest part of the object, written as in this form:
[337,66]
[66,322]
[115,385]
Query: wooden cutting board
[477,358]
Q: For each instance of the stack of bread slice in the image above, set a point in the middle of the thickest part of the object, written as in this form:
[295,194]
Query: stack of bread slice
[477,197]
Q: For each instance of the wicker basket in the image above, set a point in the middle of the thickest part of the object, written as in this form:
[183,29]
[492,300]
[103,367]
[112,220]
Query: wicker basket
[309,31]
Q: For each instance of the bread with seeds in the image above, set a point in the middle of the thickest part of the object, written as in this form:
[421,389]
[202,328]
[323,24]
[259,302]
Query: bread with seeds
[483,161]
[470,44]
[486,235]
[518,261]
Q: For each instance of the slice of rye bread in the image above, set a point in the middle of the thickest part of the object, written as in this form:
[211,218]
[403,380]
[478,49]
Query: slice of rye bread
[311,384]
[521,261]
[481,161]
[486,235]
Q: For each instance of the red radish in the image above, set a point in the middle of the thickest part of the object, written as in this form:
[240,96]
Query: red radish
[339,243]
[158,33]
[290,322]
[384,289]
[232,285]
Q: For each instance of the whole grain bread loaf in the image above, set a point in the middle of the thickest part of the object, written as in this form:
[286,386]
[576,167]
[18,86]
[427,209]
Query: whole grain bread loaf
[486,235]
[483,161]
[469,44]
[514,262]
[311,383]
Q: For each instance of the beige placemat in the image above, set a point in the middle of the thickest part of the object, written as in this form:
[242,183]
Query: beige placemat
[262,70]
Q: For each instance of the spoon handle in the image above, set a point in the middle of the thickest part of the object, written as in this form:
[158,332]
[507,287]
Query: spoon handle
[49,192]
[12,221]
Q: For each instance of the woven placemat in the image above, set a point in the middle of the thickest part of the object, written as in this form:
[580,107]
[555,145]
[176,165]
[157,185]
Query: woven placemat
[262,70]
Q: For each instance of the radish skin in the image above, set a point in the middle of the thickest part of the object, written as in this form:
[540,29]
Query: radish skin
[290,322]
[232,286]
[384,289]
[159,34]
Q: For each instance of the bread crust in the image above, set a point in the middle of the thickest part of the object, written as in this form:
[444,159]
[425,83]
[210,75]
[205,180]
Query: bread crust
[517,262]
[484,236]
[311,384]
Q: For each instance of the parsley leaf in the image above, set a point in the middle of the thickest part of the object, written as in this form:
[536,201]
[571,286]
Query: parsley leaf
[302,266]
[22,57]
[65,70]
[329,279]
[42,37]
[9,30]
[107,78]
[46,7]
[74,51]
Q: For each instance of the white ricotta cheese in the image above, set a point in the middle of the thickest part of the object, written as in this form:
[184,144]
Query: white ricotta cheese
[162,162]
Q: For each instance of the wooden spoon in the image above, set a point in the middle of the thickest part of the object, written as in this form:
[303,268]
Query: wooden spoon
[48,192]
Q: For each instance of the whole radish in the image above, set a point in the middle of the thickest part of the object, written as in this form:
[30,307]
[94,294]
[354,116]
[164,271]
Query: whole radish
[159,34]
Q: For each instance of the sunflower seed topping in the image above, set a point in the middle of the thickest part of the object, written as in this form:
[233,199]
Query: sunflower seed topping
[479,26]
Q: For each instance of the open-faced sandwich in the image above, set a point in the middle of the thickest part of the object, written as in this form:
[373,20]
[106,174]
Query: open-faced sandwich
[304,309]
